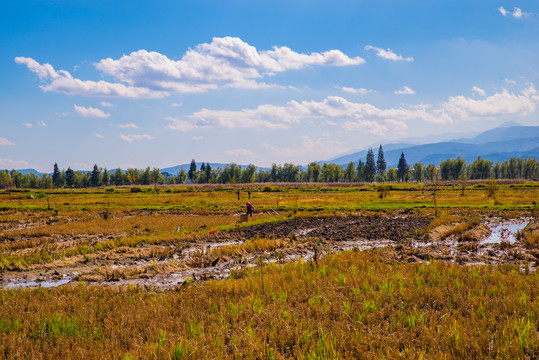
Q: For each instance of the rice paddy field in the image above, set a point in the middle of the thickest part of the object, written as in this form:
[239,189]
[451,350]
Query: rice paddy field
[339,271]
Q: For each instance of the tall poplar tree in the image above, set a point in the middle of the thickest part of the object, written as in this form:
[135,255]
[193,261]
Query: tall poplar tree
[192,170]
[370,166]
[56,175]
[381,165]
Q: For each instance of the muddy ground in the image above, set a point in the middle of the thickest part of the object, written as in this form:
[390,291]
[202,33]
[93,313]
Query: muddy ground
[404,237]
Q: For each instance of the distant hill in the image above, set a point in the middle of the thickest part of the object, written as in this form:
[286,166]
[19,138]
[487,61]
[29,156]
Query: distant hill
[504,134]
[173,170]
[29,171]
[498,144]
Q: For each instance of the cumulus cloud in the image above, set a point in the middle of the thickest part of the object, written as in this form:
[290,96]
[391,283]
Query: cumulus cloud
[351,90]
[128,126]
[63,82]
[339,111]
[134,137]
[5,142]
[500,104]
[365,117]
[478,91]
[388,54]
[405,90]
[225,62]
[517,12]
[90,112]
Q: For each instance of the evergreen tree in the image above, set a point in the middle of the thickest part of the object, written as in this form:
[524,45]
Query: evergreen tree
[360,171]
[208,171]
[95,177]
[192,170]
[56,176]
[370,167]
[70,176]
[381,162]
[402,168]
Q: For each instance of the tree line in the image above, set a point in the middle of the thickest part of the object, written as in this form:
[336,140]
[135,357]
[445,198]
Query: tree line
[370,170]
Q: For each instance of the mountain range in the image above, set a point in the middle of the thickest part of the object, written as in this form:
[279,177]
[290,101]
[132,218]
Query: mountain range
[498,144]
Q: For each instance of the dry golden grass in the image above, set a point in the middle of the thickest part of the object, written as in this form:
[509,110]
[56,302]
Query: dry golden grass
[352,305]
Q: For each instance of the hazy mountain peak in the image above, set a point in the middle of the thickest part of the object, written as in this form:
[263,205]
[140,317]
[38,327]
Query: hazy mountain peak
[510,123]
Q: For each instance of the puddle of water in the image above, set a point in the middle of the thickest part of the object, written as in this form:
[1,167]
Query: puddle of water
[206,249]
[304,232]
[45,284]
[505,232]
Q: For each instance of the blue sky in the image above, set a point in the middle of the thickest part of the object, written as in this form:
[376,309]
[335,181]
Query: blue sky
[139,83]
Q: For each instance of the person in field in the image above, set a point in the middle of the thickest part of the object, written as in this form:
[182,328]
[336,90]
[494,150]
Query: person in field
[250,208]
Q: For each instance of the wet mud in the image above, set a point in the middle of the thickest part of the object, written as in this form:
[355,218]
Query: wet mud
[402,237]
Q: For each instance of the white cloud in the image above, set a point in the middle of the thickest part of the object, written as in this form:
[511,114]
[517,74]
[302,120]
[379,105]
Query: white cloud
[478,91]
[106,104]
[90,112]
[337,110]
[176,104]
[13,164]
[98,135]
[500,104]
[133,137]
[388,54]
[5,142]
[351,90]
[40,123]
[225,62]
[198,138]
[62,81]
[405,90]
[351,116]
[517,12]
[44,72]
[127,126]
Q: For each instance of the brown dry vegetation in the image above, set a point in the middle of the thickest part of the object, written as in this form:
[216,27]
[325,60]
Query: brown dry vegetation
[410,299]
[349,305]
